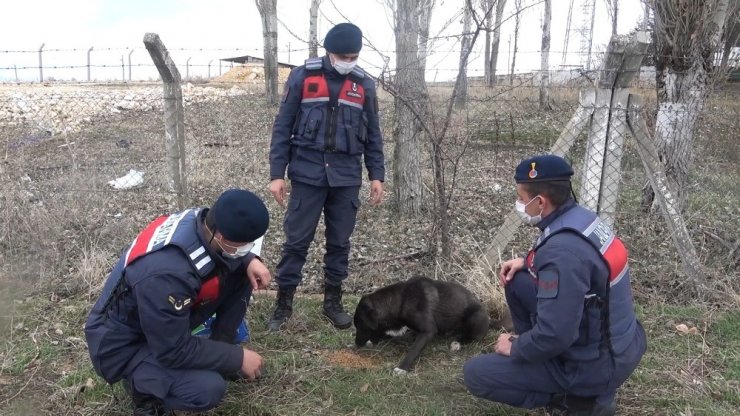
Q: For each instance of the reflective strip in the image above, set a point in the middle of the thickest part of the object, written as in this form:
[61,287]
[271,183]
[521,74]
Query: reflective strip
[194,255]
[607,245]
[315,100]
[205,260]
[350,103]
[591,227]
[620,276]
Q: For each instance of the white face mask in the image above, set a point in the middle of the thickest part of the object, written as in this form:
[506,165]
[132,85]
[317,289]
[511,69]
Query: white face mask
[344,67]
[526,218]
[239,251]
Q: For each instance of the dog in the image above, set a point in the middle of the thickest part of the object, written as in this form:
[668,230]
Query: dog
[427,307]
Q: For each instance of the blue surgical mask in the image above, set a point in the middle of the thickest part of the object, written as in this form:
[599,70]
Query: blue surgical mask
[526,218]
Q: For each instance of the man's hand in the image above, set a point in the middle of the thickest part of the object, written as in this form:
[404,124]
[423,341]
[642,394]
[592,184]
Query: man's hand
[508,269]
[251,364]
[503,344]
[258,275]
[278,191]
[376,193]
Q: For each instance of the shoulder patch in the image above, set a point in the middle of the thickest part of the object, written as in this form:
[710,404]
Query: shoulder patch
[547,284]
[178,304]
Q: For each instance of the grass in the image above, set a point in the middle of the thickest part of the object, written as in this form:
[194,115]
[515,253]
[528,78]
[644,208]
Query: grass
[311,368]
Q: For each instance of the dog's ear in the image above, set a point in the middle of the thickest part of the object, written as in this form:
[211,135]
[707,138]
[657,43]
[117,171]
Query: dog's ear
[369,314]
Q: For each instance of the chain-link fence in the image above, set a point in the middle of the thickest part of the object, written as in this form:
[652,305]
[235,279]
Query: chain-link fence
[85,167]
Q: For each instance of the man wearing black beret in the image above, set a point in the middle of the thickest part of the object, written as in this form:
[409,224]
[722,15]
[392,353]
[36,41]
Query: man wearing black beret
[180,270]
[326,127]
[577,338]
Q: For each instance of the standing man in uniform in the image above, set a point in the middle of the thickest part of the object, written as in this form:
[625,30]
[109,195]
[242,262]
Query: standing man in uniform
[570,299]
[178,272]
[327,123]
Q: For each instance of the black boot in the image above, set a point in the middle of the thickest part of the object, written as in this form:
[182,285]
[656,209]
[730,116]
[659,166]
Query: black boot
[333,308]
[283,308]
[145,405]
[562,404]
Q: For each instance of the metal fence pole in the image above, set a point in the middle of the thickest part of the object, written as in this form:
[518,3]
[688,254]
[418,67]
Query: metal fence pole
[123,70]
[209,68]
[187,69]
[41,63]
[129,64]
[89,51]
[174,115]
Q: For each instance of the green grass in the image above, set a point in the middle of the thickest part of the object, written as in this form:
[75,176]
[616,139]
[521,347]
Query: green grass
[311,370]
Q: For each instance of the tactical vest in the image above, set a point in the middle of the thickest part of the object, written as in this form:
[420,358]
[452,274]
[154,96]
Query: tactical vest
[331,124]
[174,230]
[614,307]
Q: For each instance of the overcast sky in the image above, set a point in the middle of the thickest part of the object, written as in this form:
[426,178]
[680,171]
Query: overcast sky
[205,31]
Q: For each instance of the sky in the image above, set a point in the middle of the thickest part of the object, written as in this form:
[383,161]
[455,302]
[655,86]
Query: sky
[201,32]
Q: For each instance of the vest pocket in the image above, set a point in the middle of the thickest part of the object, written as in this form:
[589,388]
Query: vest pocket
[355,129]
[311,123]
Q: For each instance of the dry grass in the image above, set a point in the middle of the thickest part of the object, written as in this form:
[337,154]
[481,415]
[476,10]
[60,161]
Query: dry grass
[62,228]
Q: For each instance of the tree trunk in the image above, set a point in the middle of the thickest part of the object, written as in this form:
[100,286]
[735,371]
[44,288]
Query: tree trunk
[313,40]
[615,16]
[687,34]
[425,19]
[517,21]
[496,41]
[488,9]
[411,91]
[462,95]
[268,12]
[545,58]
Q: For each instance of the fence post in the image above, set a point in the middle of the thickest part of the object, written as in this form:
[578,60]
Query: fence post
[129,64]
[174,115]
[665,196]
[612,174]
[89,51]
[187,69]
[41,63]
[601,170]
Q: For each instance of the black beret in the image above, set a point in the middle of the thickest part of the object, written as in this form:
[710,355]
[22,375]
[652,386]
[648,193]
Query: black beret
[240,216]
[343,38]
[543,168]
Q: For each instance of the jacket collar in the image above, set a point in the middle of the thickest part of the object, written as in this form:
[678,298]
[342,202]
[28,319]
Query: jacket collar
[570,203]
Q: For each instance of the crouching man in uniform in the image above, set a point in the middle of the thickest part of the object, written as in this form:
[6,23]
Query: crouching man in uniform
[179,271]
[571,303]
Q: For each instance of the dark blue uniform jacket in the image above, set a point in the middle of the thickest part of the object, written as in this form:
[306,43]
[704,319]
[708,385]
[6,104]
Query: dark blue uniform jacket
[572,280]
[322,142]
[157,305]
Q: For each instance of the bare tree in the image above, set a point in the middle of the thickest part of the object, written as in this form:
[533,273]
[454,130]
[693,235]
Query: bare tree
[612,8]
[488,27]
[410,100]
[268,12]
[687,33]
[313,40]
[495,42]
[545,57]
[517,21]
[425,19]
[462,95]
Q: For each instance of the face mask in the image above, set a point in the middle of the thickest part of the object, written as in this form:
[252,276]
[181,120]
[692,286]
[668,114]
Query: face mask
[526,218]
[239,252]
[344,67]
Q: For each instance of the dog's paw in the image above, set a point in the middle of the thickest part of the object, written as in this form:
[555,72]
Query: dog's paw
[455,346]
[399,371]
